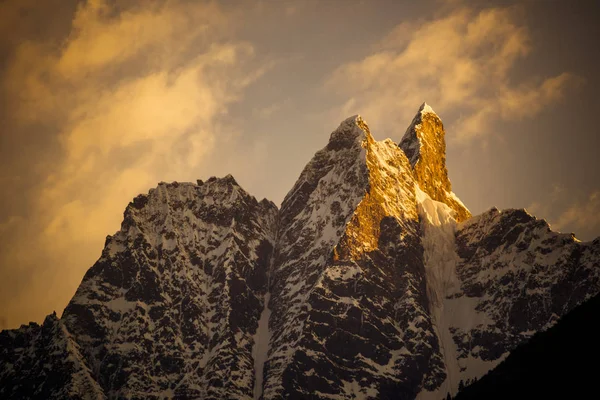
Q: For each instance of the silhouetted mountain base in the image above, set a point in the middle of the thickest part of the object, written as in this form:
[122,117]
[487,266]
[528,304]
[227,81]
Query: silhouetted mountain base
[560,363]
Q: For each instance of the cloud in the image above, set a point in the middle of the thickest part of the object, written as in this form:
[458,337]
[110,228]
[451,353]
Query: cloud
[461,63]
[135,96]
[581,215]
[569,211]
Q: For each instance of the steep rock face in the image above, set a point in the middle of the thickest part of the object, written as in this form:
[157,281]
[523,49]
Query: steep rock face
[390,192]
[311,220]
[496,279]
[171,307]
[44,362]
[351,318]
[424,144]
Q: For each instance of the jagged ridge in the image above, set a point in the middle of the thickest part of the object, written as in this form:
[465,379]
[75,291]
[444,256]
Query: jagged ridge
[375,291]
[171,307]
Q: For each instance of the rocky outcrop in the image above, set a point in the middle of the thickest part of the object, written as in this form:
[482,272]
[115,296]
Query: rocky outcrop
[44,362]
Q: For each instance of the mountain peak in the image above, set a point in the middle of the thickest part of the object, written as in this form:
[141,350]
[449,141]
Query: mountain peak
[426,108]
[412,141]
[424,144]
[351,132]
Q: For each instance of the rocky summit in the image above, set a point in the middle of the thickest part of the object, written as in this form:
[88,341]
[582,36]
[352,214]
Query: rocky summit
[371,281]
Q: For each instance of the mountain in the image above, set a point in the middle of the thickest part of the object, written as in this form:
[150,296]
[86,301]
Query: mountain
[173,305]
[372,281]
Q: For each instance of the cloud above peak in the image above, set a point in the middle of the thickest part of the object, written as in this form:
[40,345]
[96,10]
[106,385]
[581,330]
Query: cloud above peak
[462,63]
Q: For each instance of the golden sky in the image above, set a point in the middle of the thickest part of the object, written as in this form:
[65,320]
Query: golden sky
[101,100]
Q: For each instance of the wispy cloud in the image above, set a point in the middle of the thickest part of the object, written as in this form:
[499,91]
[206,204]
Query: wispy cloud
[584,214]
[137,95]
[569,211]
[460,62]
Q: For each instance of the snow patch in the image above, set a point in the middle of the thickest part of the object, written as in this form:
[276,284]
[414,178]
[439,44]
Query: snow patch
[449,307]
[425,108]
[440,260]
[260,349]
[454,197]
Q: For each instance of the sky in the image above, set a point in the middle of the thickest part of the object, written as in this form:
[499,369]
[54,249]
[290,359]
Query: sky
[102,99]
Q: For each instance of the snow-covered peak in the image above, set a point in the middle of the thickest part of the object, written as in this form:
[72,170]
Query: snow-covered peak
[224,191]
[362,286]
[178,292]
[351,132]
[426,108]
[151,213]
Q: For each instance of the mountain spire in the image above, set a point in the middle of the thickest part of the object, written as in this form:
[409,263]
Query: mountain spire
[424,144]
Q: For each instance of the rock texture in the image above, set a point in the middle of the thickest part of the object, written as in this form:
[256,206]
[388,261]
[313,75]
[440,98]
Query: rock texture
[371,282]
[44,362]
[524,277]
[351,318]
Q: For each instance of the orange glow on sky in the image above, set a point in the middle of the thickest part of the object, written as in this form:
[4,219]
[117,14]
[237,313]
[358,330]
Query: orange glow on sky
[101,102]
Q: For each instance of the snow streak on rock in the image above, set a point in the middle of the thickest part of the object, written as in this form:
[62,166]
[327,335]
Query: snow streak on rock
[438,226]
[260,350]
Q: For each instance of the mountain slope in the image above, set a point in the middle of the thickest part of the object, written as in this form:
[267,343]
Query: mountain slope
[171,307]
[352,318]
[524,275]
[510,276]
[44,362]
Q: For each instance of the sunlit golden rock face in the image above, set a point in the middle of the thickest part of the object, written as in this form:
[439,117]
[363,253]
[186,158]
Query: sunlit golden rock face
[425,146]
[393,172]
[390,193]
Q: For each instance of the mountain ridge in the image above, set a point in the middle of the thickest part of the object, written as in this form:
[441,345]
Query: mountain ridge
[424,144]
[372,280]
